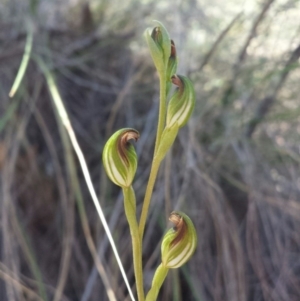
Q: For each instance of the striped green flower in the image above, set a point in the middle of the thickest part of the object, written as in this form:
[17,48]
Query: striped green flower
[182,103]
[180,242]
[119,157]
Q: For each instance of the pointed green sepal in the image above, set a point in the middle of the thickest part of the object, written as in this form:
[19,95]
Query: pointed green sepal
[165,40]
[167,139]
[159,44]
[119,157]
[172,66]
[180,242]
[182,103]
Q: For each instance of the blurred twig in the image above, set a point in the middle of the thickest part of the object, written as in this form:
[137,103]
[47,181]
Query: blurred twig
[25,60]
[226,99]
[265,104]
[217,42]
[10,211]
[5,275]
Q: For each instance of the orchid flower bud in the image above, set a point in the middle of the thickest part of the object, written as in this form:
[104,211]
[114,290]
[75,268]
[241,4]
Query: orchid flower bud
[160,46]
[180,242]
[182,103]
[119,157]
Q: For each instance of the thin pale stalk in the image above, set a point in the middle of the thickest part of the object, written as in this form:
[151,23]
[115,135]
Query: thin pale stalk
[162,110]
[155,163]
[158,279]
[74,181]
[148,194]
[130,211]
[24,62]
[66,122]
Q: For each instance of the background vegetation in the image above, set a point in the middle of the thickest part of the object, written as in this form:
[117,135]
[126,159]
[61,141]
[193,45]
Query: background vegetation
[234,169]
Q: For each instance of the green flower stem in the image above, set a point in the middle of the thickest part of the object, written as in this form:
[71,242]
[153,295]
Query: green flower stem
[148,194]
[130,211]
[162,109]
[158,280]
[155,162]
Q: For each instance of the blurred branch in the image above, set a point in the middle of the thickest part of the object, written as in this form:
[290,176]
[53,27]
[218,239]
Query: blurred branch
[93,38]
[214,47]
[132,79]
[266,103]
[226,100]
[251,35]
[7,277]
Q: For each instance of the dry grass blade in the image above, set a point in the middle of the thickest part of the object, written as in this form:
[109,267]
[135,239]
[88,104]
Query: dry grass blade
[14,223]
[67,207]
[19,286]
[66,122]
[24,62]
[83,216]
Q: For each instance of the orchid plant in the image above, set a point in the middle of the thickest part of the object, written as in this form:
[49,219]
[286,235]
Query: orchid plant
[120,163]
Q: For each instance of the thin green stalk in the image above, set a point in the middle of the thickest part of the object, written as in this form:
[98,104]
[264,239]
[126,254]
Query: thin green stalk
[148,194]
[24,62]
[130,211]
[158,279]
[162,109]
[155,163]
